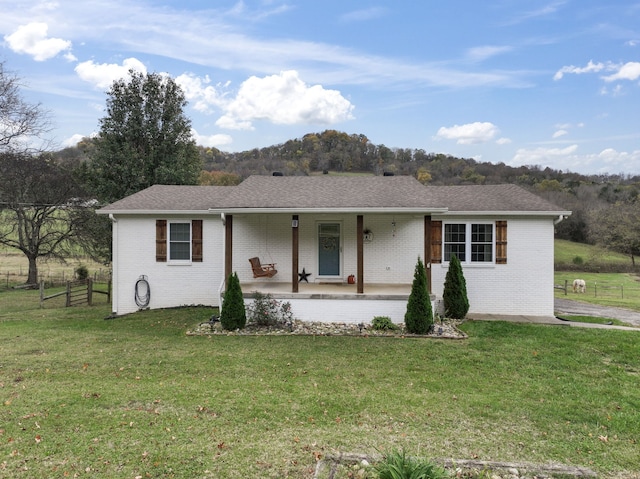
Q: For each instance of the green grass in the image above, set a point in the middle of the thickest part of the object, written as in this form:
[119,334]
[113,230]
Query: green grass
[593,257]
[608,289]
[136,397]
[594,320]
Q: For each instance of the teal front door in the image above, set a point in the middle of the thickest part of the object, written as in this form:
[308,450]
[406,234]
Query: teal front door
[329,248]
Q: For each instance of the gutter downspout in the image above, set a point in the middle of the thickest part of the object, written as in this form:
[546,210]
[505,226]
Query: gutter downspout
[559,219]
[221,288]
[114,265]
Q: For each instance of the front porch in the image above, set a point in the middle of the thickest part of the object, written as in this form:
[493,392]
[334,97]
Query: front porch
[326,290]
[337,302]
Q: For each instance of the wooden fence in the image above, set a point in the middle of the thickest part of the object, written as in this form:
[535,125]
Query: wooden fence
[603,289]
[77,292]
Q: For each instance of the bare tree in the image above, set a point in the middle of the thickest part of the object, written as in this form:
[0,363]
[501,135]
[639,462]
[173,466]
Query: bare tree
[21,123]
[38,197]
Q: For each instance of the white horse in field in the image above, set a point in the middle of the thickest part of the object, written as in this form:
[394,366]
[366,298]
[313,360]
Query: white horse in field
[579,286]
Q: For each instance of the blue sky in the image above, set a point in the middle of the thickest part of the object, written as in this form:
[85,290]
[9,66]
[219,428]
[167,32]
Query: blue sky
[523,82]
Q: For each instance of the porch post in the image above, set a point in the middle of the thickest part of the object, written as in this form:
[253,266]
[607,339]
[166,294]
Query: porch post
[427,250]
[294,253]
[228,248]
[360,253]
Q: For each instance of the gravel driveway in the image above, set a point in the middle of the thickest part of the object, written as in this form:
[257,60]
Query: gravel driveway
[570,307]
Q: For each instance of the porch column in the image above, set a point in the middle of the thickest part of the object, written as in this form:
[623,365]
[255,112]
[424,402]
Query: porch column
[360,253]
[228,248]
[427,250]
[294,253]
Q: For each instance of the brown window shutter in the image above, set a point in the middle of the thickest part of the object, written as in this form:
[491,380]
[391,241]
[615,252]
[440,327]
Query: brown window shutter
[436,241]
[161,240]
[501,242]
[196,241]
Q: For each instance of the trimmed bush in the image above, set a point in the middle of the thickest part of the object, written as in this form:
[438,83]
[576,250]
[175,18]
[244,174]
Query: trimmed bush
[233,314]
[454,297]
[419,316]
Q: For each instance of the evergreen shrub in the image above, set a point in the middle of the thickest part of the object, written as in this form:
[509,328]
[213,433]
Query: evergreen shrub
[454,297]
[419,316]
[233,314]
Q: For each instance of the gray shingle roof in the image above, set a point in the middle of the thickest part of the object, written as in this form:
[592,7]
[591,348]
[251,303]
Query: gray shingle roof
[331,192]
[170,198]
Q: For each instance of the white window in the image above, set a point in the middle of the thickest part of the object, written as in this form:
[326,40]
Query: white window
[179,241]
[469,242]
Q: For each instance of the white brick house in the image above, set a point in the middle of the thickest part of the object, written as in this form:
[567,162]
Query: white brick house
[357,239]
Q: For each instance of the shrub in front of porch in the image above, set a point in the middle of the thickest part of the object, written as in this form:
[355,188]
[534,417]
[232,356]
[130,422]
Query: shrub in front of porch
[454,296]
[419,316]
[233,315]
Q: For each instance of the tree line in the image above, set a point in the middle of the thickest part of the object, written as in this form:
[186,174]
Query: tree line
[48,198]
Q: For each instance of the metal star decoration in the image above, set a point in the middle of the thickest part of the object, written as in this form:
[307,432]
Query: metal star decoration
[304,276]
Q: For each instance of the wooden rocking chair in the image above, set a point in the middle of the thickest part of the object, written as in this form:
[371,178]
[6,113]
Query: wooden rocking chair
[262,270]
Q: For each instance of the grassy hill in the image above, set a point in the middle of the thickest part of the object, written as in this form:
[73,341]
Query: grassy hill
[570,256]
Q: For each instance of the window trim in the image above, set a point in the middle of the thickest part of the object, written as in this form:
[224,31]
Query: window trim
[163,241]
[468,243]
[170,242]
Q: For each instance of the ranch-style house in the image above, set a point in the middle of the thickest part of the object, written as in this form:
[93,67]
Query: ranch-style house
[341,249]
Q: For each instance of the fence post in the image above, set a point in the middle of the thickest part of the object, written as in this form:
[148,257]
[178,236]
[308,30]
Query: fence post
[68,294]
[42,293]
[566,285]
[89,291]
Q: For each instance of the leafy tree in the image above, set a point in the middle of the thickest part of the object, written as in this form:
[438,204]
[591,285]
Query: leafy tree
[456,303]
[95,235]
[144,139]
[419,316]
[218,178]
[20,122]
[617,227]
[40,198]
[233,314]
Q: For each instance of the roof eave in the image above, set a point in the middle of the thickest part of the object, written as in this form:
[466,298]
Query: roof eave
[508,213]
[410,210]
[152,212]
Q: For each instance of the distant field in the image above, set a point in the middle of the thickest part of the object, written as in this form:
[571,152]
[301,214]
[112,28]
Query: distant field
[14,268]
[579,256]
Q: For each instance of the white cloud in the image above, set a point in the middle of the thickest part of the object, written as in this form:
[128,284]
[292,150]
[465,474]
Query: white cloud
[211,140]
[32,39]
[200,93]
[590,68]
[102,75]
[608,160]
[542,155]
[560,133]
[478,132]
[628,71]
[73,140]
[284,99]
[503,141]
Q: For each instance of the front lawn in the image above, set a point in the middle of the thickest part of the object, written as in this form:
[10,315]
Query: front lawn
[81,396]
